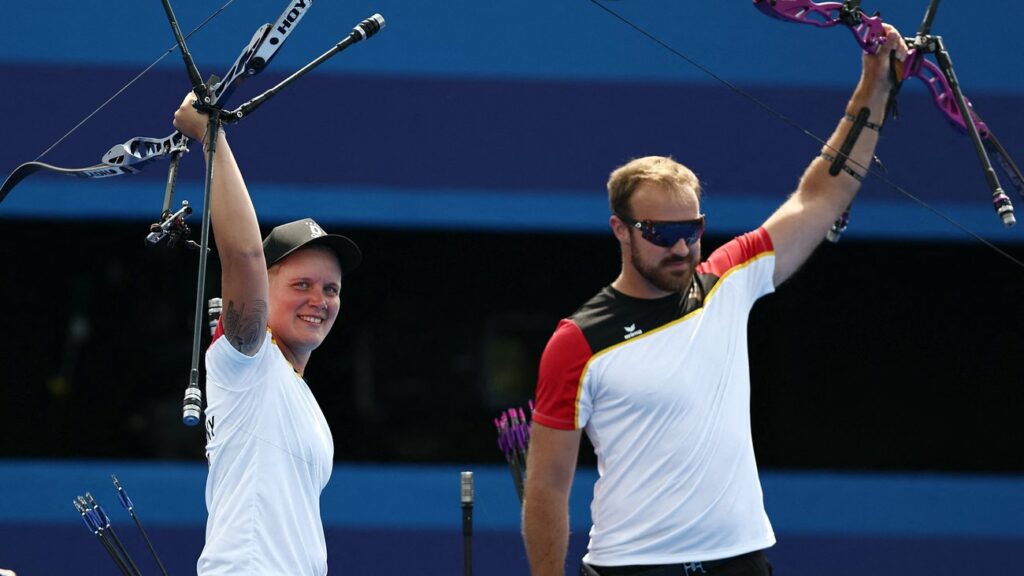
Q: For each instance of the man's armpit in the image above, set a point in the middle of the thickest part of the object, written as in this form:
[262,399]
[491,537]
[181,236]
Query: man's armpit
[245,325]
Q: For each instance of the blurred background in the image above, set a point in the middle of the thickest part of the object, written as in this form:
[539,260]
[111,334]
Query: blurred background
[465,149]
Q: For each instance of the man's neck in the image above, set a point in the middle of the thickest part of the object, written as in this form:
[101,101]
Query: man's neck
[635,286]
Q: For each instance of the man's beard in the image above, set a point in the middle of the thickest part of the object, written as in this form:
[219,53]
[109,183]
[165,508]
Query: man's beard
[663,279]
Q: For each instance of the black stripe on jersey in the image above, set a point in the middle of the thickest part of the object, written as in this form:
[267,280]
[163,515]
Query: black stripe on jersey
[611,317]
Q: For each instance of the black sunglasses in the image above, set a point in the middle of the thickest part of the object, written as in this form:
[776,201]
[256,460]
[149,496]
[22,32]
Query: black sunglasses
[667,233]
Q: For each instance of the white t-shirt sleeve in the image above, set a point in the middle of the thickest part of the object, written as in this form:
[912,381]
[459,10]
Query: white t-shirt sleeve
[231,370]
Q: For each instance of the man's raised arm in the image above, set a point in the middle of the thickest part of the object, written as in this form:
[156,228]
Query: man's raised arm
[801,223]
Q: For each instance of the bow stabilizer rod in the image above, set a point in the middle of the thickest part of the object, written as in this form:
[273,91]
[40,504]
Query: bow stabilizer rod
[362,31]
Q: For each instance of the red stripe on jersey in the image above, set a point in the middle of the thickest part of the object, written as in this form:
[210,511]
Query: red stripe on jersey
[558,385]
[736,252]
[219,331]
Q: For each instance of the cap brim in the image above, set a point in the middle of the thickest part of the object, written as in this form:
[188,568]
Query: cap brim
[349,255]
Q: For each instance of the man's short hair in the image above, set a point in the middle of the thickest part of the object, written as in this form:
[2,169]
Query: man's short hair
[660,169]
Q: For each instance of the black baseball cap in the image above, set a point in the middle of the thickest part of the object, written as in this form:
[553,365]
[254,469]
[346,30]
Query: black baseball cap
[287,238]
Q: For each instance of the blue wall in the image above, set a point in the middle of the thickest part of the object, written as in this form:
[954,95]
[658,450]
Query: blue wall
[504,116]
[381,518]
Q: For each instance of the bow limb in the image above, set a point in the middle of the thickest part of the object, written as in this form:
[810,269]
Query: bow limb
[127,158]
[261,49]
[955,106]
[868,31]
[870,34]
[945,99]
[95,171]
[137,153]
[821,14]
[942,93]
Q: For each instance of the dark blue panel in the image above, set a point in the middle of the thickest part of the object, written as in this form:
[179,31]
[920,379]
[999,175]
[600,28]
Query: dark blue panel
[54,549]
[856,556]
[510,98]
[509,135]
[508,138]
[380,518]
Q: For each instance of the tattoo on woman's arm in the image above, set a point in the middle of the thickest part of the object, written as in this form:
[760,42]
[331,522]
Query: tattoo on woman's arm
[245,325]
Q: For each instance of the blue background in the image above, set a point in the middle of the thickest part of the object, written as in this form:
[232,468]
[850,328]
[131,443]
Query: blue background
[466,114]
[403,519]
[506,116]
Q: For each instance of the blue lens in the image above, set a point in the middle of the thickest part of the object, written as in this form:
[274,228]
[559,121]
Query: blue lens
[667,234]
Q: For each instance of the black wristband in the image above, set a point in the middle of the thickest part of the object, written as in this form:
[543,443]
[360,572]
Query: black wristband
[872,125]
[842,167]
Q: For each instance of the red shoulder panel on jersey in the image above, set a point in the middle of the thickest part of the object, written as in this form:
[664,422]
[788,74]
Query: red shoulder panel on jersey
[561,366]
[736,252]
